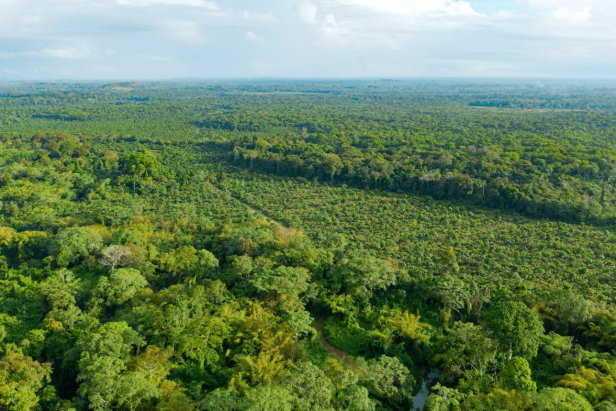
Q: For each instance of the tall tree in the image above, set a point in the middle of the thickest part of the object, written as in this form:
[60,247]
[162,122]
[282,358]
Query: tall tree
[516,328]
[21,378]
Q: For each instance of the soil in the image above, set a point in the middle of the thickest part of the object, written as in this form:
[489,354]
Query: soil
[333,351]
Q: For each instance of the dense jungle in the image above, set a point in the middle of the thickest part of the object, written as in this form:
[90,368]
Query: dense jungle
[308,245]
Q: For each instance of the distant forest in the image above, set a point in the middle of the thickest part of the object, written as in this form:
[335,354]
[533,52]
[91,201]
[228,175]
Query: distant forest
[308,245]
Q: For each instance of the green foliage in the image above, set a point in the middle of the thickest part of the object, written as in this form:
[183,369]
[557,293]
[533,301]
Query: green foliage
[73,244]
[20,380]
[561,399]
[360,274]
[350,339]
[137,272]
[515,327]
[388,380]
[186,260]
[102,369]
[516,375]
[465,351]
[140,165]
[120,287]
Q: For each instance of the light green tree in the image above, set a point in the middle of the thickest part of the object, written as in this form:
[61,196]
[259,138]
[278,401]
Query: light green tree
[20,379]
[517,329]
[73,244]
[466,349]
[361,273]
[120,287]
[517,375]
[560,399]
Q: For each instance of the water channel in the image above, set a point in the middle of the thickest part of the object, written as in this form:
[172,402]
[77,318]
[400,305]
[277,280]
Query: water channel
[426,388]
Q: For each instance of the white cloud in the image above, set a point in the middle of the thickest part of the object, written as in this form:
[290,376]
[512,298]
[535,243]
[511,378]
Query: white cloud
[64,53]
[144,3]
[414,7]
[366,37]
[558,3]
[573,15]
[569,10]
[253,37]
[307,12]
[259,17]
[7,54]
[158,58]
[184,30]
[460,8]
[69,52]
[330,20]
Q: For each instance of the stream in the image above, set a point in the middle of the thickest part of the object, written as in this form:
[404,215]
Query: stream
[426,388]
[429,380]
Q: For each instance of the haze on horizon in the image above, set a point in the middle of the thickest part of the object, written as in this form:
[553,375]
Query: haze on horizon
[163,39]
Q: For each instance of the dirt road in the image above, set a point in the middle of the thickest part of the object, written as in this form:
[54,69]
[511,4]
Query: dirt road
[333,351]
[252,209]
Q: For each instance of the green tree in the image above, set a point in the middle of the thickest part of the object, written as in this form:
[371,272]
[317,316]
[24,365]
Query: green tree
[310,387]
[153,362]
[179,261]
[361,273]
[560,399]
[356,398]
[20,379]
[141,165]
[133,388]
[60,289]
[350,396]
[208,263]
[333,164]
[73,244]
[202,340]
[120,287]
[186,260]
[267,398]
[300,321]
[444,399]
[517,375]
[574,309]
[102,360]
[174,398]
[388,379]
[516,328]
[405,325]
[466,349]
[282,280]
[221,400]
[449,261]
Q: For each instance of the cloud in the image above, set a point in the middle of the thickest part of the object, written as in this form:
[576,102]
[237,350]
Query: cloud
[158,58]
[184,30]
[460,8]
[330,20]
[69,52]
[253,37]
[193,3]
[307,12]
[65,53]
[573,15]
[414,7]
[313,38]
[259,17]
[571,11]
[7,54]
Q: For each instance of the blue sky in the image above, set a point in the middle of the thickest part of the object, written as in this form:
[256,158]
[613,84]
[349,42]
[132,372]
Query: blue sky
[161,39]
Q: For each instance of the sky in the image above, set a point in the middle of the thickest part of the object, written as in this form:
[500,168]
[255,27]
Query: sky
[172,39]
